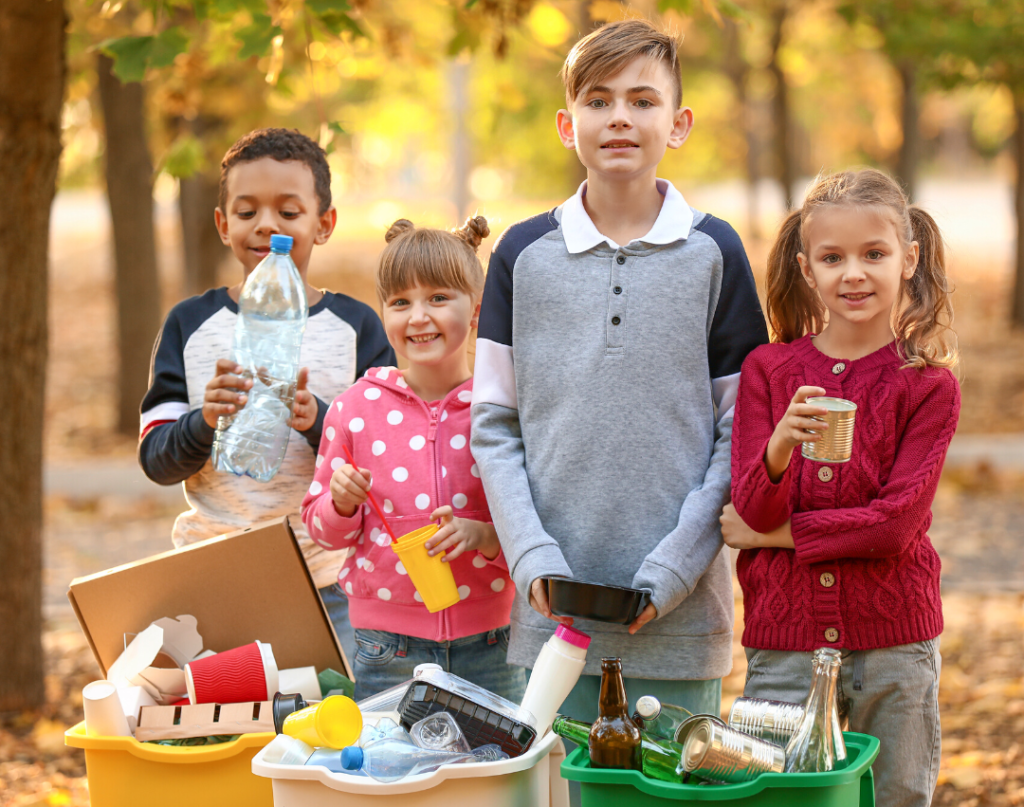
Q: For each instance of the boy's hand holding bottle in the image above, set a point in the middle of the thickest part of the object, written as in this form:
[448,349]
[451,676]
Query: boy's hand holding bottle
[463,534]
[304,410]
[797,426]
[226,395]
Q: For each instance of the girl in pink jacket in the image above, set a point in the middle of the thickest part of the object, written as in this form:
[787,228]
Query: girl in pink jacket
[408,431]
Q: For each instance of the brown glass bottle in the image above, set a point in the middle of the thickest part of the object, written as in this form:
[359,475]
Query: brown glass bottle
[614,737]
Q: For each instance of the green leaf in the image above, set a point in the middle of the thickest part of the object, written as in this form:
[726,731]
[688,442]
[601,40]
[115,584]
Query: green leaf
[338,23]
[184,157]
[168,45]
[682,6]
[131,56]
[469,4]
[464,39]
[256,38]
[320,7]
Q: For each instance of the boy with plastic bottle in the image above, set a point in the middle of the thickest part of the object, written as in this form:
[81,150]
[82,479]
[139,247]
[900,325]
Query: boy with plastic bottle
[273,181]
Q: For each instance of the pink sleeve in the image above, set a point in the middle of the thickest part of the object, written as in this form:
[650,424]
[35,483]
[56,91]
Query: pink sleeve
[761,503]
[326,525]
[901,511]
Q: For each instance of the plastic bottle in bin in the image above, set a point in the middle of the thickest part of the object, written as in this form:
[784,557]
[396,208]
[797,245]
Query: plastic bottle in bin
[555,673]
[392,759]
[272,311]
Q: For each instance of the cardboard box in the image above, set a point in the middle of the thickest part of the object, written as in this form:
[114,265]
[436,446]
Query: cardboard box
[243,586]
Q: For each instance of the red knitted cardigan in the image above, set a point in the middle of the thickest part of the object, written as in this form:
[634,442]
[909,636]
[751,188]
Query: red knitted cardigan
[864,573]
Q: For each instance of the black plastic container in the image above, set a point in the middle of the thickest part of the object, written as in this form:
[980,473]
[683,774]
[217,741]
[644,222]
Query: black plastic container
[479,724]
[285,705]
[614,604]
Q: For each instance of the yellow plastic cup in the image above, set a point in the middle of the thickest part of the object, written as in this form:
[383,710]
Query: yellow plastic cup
[335,722]
[432,578]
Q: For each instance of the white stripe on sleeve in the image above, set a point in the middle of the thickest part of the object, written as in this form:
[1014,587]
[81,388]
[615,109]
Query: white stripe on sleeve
[494,375]
[172,410]
[724,392]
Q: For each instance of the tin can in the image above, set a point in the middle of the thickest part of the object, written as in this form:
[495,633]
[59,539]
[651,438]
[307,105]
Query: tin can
[716,752]
[836,443]
[774,721]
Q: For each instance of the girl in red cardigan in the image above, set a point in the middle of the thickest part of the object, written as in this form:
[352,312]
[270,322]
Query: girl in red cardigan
[837,555]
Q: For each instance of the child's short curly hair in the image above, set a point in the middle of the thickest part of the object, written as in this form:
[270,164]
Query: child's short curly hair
[280,145]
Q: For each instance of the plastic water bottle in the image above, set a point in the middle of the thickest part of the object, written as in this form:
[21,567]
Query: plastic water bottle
[384,729]
[393,759]
[272,310]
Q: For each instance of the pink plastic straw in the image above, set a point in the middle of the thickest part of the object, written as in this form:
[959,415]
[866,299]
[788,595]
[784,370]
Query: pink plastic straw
[369,495]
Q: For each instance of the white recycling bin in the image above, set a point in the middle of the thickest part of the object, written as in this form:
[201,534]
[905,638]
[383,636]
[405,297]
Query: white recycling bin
[533,778]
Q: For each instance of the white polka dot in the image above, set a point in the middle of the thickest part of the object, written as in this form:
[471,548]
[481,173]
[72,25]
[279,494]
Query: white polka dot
[416,596]
[444,472]
[389,506]
[395,417]
[351,535]
[401,383]
[339,404]
[375,534]
[463,592]
[400,568]
[423,501]
[479,561]
[368,566]
[466,395]
[371,393]
[383,372]
[458,441]
[378,448]
[459,500]
[497,584]
[356,425]
[474,470]
[323,543]
[384,594]
[344,572]
[348,588]
[444,416]
[400,474]
[417,442]
[316,523]
[330,432]
[319,460]
[316,488]
[361,539]
[336,463]
[360,562]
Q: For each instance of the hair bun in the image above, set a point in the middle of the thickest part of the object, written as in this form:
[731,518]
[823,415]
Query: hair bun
[474,231]
[400,227]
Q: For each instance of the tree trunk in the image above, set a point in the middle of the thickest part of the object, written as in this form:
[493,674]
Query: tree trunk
[784,163]
[129,174]
[738,71]
[197,199]
[1017,312]
[32,71]
[910,149]
[461,143]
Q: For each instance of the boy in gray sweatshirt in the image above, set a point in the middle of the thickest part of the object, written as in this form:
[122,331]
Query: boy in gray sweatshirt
[612,331]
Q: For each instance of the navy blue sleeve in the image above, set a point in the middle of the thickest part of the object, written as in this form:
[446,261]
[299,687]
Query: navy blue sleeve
[315,432]
[496,306]
[738,325]
[170,453]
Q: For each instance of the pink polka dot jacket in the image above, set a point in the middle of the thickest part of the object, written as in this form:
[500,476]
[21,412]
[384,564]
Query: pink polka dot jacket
[418,453]
[864,574]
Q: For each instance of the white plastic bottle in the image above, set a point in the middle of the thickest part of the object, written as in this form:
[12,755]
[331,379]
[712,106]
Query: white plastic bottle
[272,311]
[558,668]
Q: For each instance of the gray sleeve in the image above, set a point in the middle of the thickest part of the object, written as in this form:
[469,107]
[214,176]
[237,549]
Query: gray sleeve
[671,571]
[497,445]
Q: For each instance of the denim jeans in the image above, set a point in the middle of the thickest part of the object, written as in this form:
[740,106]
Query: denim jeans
[336,602]
[699,697]
[892,694]
[385,660]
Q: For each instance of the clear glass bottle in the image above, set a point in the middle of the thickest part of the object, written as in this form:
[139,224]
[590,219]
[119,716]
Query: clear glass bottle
[816,745]
[614,737]
[657,718]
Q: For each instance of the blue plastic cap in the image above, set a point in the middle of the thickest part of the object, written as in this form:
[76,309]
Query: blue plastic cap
[281,243]
[352,758]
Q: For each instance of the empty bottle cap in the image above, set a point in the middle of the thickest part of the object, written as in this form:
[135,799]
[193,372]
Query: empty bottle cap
[573,636]
[352,758]
[281,243]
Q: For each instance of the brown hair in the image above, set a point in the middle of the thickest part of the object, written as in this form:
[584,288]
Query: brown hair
[610,48]
[438,258]
[923,313]
[281,145]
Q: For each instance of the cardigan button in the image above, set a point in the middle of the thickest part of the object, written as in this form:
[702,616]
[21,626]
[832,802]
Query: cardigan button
[827,579]
[837,368]
[831,635]
[825,473]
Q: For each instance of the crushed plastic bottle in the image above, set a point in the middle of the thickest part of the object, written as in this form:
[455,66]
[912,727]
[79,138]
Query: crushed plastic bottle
[393,759]
[384,729]
[272,311]
[439,732]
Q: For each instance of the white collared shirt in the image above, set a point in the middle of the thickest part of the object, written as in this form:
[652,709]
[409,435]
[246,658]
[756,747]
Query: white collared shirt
[673,222]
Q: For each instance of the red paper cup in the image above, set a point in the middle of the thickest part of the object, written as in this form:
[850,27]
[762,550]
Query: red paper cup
[246,673]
